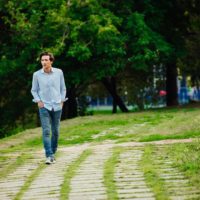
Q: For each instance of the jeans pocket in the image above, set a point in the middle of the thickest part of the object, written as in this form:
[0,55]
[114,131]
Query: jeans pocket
[43,111]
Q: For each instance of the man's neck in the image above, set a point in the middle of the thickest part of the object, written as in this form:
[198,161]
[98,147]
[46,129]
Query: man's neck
[48,70]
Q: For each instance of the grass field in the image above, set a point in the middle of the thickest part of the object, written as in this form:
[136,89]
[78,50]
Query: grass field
[145,126]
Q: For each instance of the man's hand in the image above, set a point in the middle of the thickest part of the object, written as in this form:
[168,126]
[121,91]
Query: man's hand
[40,104]
[62,104]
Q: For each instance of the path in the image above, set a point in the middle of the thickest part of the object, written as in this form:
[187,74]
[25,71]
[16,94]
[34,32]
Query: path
[87,183]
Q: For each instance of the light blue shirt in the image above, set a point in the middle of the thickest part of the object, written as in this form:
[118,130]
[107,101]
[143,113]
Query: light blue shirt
[49,88]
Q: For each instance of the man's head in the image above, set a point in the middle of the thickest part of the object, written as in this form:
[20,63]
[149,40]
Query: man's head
[51,57]
[46,60]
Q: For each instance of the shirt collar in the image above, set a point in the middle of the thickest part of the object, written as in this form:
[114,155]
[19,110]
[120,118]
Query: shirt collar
[52,70]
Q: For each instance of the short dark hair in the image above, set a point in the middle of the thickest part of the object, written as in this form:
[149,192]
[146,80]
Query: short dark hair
[51,56]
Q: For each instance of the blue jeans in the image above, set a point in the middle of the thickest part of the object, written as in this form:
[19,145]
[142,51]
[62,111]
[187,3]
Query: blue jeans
[50,121]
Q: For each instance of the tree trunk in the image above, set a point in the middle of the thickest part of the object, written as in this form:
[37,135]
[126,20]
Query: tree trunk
[114,110]
[171,84]
[113,85]
[70,106]
[108,83]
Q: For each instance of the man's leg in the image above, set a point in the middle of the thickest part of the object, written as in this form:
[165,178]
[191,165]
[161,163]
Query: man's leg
[46,129]
[56,115]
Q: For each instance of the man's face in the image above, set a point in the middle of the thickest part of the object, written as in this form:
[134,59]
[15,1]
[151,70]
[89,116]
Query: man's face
[46,63]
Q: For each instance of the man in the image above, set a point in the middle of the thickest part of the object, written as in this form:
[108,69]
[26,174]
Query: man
[49,91]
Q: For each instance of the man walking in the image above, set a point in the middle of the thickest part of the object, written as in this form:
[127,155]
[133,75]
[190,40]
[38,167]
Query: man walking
[49,91]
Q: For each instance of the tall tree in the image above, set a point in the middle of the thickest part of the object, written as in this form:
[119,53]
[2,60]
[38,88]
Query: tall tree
[145,44]
[94,46]
[172,23]
[190,63]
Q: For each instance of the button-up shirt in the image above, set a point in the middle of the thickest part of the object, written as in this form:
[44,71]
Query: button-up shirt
[49,88]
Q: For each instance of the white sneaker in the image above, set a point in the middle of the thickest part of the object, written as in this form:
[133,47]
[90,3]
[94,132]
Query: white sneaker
[48,161]
[53,160]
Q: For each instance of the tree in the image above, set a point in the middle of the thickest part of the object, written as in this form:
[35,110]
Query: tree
[94,46]
[22,37]
[190,63]
[145,44]
[173,25]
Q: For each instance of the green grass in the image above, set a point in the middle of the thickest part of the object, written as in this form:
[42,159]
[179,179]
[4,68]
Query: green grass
[109,170]
[186,156]
[144,126]
[70,173]
[156,137]
[102,111]
[141,126]
[152,178]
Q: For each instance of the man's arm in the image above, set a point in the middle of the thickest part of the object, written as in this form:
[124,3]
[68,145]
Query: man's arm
[62,88]
[35,89]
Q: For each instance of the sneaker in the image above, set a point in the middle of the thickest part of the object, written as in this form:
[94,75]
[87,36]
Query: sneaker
[53,160]
[48,161]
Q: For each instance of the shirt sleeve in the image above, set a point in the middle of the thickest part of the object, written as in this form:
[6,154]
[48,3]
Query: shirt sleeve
[63,88]
[35,89]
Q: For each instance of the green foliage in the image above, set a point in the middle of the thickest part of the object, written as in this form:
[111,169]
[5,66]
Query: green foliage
[79,51]
[93,40]
[145,45]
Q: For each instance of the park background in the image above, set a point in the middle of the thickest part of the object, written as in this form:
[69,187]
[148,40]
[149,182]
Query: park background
[132,72]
